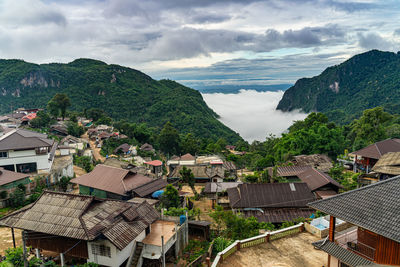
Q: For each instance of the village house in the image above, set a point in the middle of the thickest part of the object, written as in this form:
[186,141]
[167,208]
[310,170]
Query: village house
[26,151]
[88,229]
[147,148]
[320,183]
[154,167]
[387,166]
[375,239]
[116,183]
[274,203]
[9,180]
[125,150]
[202,174]
[367,157]
[217,191]
[60,128]
[291,173]
[320,162]
[75,144]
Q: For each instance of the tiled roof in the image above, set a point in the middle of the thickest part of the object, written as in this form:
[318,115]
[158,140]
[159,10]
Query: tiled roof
[276,195]
[316,179]
[378,149]
[374,207]
[9,176]
[23,139]
[344,255]
[83,217]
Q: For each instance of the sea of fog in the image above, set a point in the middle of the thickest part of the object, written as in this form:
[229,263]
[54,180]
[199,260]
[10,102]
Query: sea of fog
[252,113]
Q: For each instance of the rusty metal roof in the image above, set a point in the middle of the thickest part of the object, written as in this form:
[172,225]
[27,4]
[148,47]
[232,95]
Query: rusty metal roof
[287,171]
[278,215]
[111,179]
[316,179]
[270,195]
[318,161]
[388,164]
[83,217]
[378,149]
[150,187]
[9,176]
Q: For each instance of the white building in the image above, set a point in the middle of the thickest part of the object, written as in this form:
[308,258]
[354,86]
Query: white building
[26,151]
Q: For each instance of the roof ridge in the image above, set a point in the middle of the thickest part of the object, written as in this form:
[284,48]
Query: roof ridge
[377,148]
[357,189]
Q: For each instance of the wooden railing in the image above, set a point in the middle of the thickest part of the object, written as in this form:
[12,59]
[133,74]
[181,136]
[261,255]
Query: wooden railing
[256,240]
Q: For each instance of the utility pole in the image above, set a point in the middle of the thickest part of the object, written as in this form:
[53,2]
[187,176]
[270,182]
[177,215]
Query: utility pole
[162,251]
[24,247]
[13,237]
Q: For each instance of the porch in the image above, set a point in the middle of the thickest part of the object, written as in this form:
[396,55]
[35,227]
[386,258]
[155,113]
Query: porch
[351,240]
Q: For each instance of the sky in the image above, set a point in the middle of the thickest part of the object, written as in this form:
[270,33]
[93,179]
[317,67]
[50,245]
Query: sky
[201,42]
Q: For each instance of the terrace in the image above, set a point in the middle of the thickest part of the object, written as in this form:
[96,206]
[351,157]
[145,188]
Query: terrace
[351,241]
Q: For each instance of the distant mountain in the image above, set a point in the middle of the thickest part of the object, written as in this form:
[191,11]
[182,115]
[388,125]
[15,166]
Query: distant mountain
[343,91]
[124,93]
[234,89]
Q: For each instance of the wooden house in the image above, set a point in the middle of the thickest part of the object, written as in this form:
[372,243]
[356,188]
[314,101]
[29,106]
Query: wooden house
[274,203]
[88,229]
[374,210]
[320,183]
[367,157]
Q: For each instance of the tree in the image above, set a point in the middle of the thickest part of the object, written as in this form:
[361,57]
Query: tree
[189,144]
[169,139]
[75,129]
[60,102]
[42,120]
[63,183]
[170,198]
[17,198]
[187,176]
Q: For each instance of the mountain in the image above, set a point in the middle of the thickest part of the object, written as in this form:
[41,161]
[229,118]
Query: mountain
[123,93]
[343,91]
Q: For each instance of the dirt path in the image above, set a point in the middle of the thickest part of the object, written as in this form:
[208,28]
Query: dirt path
[6,239]
[95,150]
[286,252]
[79,171]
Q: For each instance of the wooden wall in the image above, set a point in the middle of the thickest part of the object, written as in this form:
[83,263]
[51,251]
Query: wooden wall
[57,244]
[387,251]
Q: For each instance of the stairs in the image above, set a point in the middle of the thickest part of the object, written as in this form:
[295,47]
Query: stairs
[136,254]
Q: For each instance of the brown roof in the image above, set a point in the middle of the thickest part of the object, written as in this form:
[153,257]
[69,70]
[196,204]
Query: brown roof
[276,195]
[111,179]
[23,139]
[7,177]
[278,215]
[287,171]
[187,156]
[150,187]
[388,164]
[325,193]
[124,148]
[378,149]
[316,179]
[199,171]
[83,217]
[146,147]
[318,161]
[212,187]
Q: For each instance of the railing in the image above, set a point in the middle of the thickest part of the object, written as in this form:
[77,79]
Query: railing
[256,240]
[350,241]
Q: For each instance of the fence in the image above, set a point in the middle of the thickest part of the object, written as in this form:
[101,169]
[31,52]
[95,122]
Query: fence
[256,240]
[200,259]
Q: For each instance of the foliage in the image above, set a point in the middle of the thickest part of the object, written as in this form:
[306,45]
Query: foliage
[110,144]
[267,226]
[42,120]
[170,197]
[221,243]
[195,248]
[345,90]
[84,162]
[3,194]
[286,224]
[75,129]
[58,104]
[17,198]
[347,179]
[63,183]
[187,176]
[192,213]
[169,139]
[14,256]
[132,96]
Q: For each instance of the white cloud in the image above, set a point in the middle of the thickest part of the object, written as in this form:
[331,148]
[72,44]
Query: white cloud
[252,113]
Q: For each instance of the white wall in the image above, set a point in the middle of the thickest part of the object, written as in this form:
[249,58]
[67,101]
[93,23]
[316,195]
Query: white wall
[187,162]
[117,256]
[27,156]
[149,250]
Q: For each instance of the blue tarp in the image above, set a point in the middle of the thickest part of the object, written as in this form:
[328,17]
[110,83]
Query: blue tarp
[182,219]
[157,194]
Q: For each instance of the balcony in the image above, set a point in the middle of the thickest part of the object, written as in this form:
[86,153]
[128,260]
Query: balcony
[349,240]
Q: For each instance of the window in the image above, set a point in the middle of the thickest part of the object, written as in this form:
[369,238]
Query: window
[41,150]
[101,250]
[3,154]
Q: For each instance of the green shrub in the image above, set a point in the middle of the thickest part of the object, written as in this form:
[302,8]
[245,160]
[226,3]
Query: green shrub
[3,194]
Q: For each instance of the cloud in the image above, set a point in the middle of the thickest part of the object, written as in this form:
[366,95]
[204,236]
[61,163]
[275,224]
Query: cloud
[374,41]
[252,113]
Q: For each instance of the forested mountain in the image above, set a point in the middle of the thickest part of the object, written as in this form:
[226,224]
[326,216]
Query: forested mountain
[123,93]
[343,91]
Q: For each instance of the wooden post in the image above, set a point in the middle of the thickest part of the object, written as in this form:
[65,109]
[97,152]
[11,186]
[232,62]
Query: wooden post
[302,228]
[367,168]
[208,262]
[238,246]
[162,251]
[267,238]
[62,259]
[24,248]
[332,226]
[13,237]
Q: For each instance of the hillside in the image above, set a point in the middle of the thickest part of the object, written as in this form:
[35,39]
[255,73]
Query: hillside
[124,93]
[342,92]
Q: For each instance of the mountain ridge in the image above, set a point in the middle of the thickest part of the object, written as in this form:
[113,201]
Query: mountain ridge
[343,91]
[123,93]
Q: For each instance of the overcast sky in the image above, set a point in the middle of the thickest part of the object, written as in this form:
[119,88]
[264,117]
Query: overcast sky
[201,41]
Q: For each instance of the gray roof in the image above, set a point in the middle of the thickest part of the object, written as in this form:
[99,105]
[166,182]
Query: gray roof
[344,255]
[374,207]
[24,139]
[212,187]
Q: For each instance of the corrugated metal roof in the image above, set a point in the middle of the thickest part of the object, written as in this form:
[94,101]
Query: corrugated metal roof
[112,179]
[270,195]
[374,207]
[150,187]
[287,171]
[278,215]
[378,149]
[83,217]
[342,254]
[316,179]
[23,139]
[212,187]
